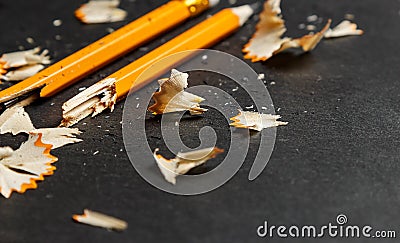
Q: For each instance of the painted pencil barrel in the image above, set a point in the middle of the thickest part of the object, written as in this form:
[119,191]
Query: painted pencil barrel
[114,45]
[200,36]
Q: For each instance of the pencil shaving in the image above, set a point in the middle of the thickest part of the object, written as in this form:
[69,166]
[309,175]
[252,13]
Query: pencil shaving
[105,11]
[267,38]
[267,41]
[16,66]
[16,120]
[20,169]
[91,101]
[22,72]
[255,120]
[23,58]
[345,28]
[184,162]
[100,220]
[171,96]
[307,42]
[310,41]
[58,136]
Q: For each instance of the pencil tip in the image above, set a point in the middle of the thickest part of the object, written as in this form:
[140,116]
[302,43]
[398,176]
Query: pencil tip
[245,11]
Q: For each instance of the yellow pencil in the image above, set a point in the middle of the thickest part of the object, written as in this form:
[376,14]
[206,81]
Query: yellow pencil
[103,51]
[203,35]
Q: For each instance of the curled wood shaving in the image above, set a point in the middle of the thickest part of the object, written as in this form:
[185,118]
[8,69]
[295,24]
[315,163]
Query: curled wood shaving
[20,65]
[268,41]
[345,28]
[255,120]
[23,58]
[100,220]
[104,11]
[16,120]
[58,136]
[307,42]
[20,169]
[171,96]
[92,100]
[184,162]
[22,72]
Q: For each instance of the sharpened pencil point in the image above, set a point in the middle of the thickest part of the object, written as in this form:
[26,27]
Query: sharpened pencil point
[243,12]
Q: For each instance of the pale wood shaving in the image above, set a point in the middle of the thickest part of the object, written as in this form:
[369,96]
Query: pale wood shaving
[184,162]
[105,11]
[171,96]
[345,28]
[58,136]
[267,41]
[16,66]
[255,120]
[23,58]
[16,120]
[20,169]
[22,72]
[100,220]
[307,42]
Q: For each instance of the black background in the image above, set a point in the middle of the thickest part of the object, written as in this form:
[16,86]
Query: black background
[338,154]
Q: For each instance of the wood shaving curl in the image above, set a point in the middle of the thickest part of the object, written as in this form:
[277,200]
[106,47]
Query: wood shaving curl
[268,41]
[100,220]
[16,66]
[345,28]
[20,169]
[184,162]
[105,11]
[22,72]
[256,121]
[16,120]
[172,98]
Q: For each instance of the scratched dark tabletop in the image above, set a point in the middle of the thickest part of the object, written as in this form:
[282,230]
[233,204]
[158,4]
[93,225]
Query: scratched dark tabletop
[340,152]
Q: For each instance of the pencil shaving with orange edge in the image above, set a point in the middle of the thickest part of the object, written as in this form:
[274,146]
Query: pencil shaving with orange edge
[105,11]
[267,41]
[184,162]
[100,220]
[19,65]
[32,160]
[171,96]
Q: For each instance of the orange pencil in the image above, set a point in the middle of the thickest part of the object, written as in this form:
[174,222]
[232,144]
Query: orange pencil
[104,94]
[103,51]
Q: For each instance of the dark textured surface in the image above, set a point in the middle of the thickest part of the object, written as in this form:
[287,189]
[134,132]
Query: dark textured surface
[339,154]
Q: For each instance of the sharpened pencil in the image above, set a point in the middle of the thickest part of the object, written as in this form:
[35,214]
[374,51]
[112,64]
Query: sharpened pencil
[203,35]
[96,55]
